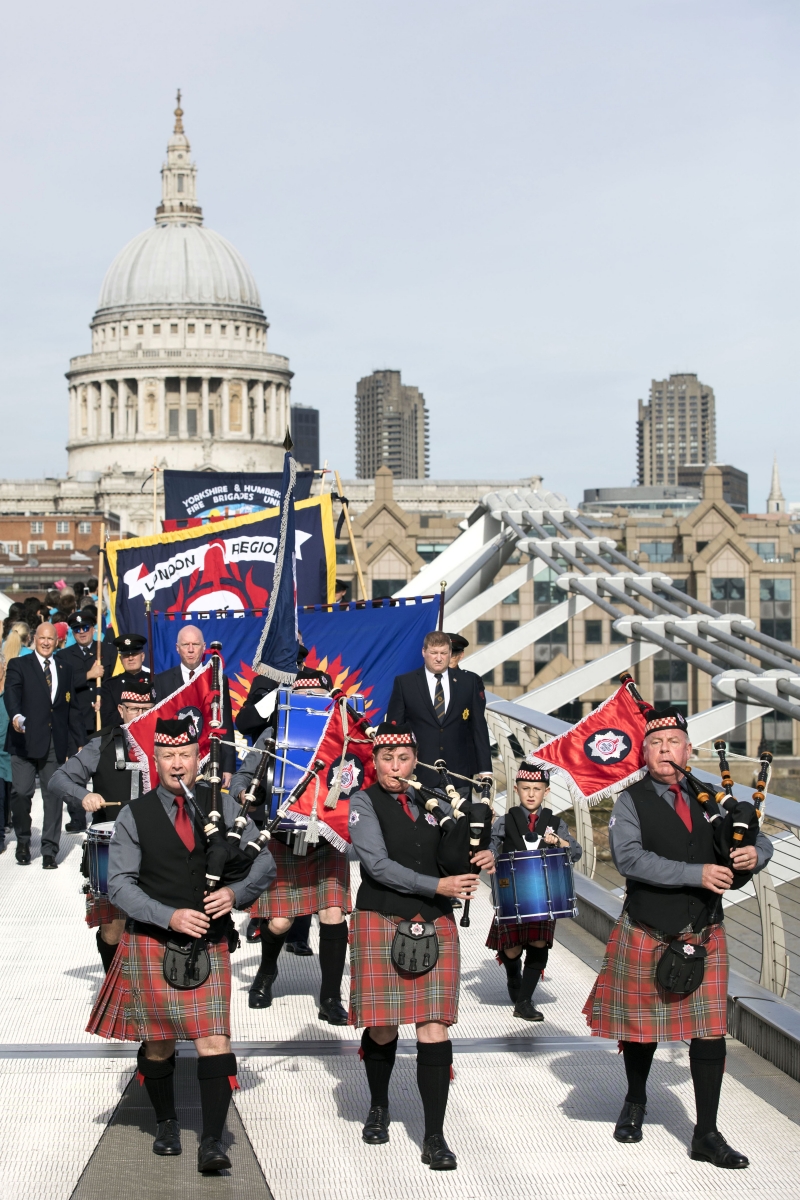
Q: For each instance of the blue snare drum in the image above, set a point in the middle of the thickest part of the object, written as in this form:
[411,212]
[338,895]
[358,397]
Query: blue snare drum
[300,723]
[534,885]
[98,838]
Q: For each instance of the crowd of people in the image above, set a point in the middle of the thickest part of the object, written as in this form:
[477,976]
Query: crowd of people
[164,928]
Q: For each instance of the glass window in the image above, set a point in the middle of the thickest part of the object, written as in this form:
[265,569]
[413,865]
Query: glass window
[512,597]
[488,678]
[594,633]
[509,627]
[208,328]
[670,682]
[765,550]
[84,527]
[223,329]
[191,422]
[381,588]
[430,550]
[190,328]
[728,595]
[776,608]
[344,554]
[37,526]
[173,327]
[173,420]
[776,734]
[511,674]
[775,589]
[485,633]
[616,636]
[62,546]
[140,329]
[157,328]
[657,551]
[62,526]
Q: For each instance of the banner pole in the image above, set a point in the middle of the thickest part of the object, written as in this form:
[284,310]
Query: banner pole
[442,587]
[155,494]
[98,720]
[150,637]
[345,508]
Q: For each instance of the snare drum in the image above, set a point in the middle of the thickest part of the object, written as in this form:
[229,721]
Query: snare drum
[534,885]
[98,838]
[300,724]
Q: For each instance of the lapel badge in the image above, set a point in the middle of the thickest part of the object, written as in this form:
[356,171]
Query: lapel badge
[67,697]
[465,715]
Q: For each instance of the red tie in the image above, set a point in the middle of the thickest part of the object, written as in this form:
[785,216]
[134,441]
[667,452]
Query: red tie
[403,798]
[681,806]
[532,821]
[183,826]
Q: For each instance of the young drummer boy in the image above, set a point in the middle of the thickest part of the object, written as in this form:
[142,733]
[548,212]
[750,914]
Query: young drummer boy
[525,827]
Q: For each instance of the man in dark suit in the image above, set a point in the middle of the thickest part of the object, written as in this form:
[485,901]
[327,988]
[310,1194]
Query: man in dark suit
[46,727]
[191,646]
[86,670]
[445,708]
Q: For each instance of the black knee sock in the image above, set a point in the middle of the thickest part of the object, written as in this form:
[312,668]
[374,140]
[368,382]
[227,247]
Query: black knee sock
[332,951]
[535,963]
[216,1075]
[157,1076]
[638,1061]
[271,944]
[106,952]
[707,1064]
[434,1061]
[378,1063]
[513,966]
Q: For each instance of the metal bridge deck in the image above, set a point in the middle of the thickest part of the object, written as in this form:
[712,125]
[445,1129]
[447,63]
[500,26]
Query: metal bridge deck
[530,1112]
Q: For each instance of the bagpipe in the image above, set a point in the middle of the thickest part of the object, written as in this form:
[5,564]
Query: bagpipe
[734,823]
[466,830]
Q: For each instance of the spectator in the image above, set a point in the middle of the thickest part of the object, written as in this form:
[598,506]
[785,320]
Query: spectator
[51,599]
[91,585]
[5,766]
[79,588]
[62,629]
[17,641]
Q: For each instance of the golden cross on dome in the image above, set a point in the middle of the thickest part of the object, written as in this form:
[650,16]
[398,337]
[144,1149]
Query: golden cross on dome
[178,115]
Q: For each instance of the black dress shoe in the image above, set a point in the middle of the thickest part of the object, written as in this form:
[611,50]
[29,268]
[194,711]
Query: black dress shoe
[168,1138]
[332,1011]
[629,1122]
[23,854]
[526,1010]
[437,1154]
[74,827]
[713,1148]
[261,989]
[301,949]
[376,1126]
[253,933]
[211,1156]
[49,862]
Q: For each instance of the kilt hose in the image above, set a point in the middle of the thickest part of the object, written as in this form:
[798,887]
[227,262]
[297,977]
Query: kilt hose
[305,883]
[627,1004]
[380,994]
[503,934]
[100,911]
[136,1004]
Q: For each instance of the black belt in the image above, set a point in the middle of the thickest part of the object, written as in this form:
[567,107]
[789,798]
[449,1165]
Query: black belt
[218,930]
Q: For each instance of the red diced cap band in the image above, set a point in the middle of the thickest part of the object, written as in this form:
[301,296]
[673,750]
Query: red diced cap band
[533,775]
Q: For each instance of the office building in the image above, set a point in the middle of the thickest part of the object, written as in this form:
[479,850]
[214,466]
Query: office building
[305,435]
[675,428]
[391,427]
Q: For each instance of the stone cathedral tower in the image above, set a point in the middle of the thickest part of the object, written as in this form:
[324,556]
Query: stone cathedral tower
[179,371]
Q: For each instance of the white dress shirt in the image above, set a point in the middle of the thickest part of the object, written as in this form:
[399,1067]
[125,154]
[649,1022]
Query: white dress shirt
[53,675]
[431,678]
[194,672]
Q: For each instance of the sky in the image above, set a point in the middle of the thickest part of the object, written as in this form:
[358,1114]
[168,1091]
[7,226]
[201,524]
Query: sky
[530,209]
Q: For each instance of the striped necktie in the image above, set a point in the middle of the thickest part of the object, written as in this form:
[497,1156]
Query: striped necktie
[438,698]
[48,678]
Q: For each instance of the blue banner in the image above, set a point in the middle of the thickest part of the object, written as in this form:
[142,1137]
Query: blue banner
[227,566]
[220,494]
[361,646]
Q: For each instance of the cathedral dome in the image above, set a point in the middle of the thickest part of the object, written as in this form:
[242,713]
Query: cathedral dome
[178,263]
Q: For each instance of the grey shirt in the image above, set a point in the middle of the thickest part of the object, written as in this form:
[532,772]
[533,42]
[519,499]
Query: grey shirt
[125,857]
[499,833]
[634,862]
[71,780]
[367,838]
[244,774]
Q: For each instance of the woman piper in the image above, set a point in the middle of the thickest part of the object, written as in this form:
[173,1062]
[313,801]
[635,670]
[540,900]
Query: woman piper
[397,843]
[523,827]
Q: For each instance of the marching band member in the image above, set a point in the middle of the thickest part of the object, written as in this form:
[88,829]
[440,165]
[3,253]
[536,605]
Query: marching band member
[317,881]
[107,763]
[522,828]
[157,868]
[663,845]
[131,655]
[397,844]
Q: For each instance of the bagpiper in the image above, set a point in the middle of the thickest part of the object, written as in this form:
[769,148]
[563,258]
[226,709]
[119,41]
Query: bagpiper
[157,875]
[663,845]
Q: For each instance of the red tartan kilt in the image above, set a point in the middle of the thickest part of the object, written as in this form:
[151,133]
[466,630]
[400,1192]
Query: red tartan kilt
[508,933]
[627,1004]
[382,995]
[100,911]
[137,1004]
[305,883]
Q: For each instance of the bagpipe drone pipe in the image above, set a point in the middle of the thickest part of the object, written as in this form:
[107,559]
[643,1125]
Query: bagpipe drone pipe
[735,823]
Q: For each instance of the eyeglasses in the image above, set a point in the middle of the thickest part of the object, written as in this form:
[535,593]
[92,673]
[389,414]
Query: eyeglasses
[82,628]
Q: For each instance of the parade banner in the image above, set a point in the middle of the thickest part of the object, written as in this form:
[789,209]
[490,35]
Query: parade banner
[226,566]
[602,754]
[212,495]
[193,700]
[361,646]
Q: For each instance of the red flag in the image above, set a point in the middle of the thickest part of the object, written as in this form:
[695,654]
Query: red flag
[192,700]
[346,752]
[602,754]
